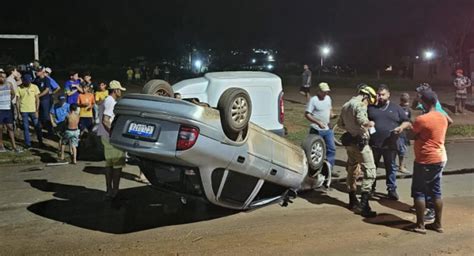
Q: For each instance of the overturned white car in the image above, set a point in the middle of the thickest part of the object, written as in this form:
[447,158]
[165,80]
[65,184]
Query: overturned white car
[208,142]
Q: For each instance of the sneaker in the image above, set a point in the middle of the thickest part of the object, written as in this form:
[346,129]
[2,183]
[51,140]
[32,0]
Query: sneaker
[335,174]
[392,194]
[429,215]
[404,170]
[3,150]
[18,150]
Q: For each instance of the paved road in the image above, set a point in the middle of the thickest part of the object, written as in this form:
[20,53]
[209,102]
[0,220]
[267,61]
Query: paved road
[59,210]
[460,159]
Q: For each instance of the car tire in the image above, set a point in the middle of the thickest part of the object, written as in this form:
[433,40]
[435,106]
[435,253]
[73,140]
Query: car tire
[235,108]
[315,150]
[159,88]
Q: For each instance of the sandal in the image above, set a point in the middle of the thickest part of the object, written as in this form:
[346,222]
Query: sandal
[435,227]
[417,229]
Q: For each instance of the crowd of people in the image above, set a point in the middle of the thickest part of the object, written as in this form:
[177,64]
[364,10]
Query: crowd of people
[378,128]
[145,73]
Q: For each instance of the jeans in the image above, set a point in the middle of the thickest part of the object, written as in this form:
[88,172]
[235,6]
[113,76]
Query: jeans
[26,127]
[328,137]
[391,168]
[426,182]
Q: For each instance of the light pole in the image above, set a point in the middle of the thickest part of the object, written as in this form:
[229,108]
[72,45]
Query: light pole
[429,55]
[325,51]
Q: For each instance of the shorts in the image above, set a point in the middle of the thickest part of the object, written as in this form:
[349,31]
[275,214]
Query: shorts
[86,123]
[71,136]
[426,180]
[304,89]
[6,116]
[60,129]
[460,96]
[114,157]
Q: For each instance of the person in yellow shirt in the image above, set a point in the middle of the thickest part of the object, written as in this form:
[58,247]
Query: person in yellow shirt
[100,96]
[28,104]
[86,101]
[130,74]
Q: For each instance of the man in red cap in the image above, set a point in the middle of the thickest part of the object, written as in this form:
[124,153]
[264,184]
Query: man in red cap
[461,83]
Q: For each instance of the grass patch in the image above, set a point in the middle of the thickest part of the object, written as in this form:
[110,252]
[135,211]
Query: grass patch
[461,130]
[10,157]
[397,84]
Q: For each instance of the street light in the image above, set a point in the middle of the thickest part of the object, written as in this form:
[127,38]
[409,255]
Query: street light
[429,54]
[325,51]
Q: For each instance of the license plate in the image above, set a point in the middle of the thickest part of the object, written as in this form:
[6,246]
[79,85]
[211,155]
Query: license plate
[141,130]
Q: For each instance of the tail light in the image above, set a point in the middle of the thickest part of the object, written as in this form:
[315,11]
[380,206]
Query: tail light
[281,109]
[187,137]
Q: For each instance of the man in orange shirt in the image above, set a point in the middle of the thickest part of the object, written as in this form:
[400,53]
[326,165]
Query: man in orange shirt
[429,131]
[86,101]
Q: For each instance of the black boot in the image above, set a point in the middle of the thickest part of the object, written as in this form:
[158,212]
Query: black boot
[364,206]
[353,201]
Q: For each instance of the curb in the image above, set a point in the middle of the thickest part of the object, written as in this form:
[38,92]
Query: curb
[21,160]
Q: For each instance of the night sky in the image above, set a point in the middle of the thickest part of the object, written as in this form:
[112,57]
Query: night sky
[113,31]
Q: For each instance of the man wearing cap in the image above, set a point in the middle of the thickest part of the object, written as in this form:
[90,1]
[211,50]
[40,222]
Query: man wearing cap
[6,115]
[114,158]
[319,113]
[45,95]
[58,115]
[54,85]
[390,121]
[461,83]
[28,103]
[429,132]
[355,121]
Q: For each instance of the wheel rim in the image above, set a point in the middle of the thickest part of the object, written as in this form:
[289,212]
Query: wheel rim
[316,153]
[161,92]
[239,110]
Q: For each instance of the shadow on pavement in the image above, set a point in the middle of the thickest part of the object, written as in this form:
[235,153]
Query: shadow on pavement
[324,197]
[97,170]
[389,220]
[136,209]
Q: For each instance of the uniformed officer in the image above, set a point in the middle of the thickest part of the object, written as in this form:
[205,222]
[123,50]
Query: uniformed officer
[355,121]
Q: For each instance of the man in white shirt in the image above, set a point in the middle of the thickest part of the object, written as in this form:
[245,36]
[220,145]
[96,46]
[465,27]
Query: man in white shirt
[14,80]
[319,113]
[114,158]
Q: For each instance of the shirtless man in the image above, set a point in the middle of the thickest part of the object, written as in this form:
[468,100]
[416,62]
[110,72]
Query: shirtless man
[71,135]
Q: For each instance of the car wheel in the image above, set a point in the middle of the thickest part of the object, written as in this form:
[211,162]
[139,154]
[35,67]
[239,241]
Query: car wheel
[159,88]
[315,150]
[235,108]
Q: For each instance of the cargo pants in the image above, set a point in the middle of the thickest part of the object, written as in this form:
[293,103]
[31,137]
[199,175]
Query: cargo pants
[360,160]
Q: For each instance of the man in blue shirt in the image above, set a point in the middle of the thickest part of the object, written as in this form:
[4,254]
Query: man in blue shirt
[73,88]
[54,85]
[45,99]
[58,115]
[390,121]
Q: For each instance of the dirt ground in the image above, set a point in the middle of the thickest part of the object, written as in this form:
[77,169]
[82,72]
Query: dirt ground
[60,211]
